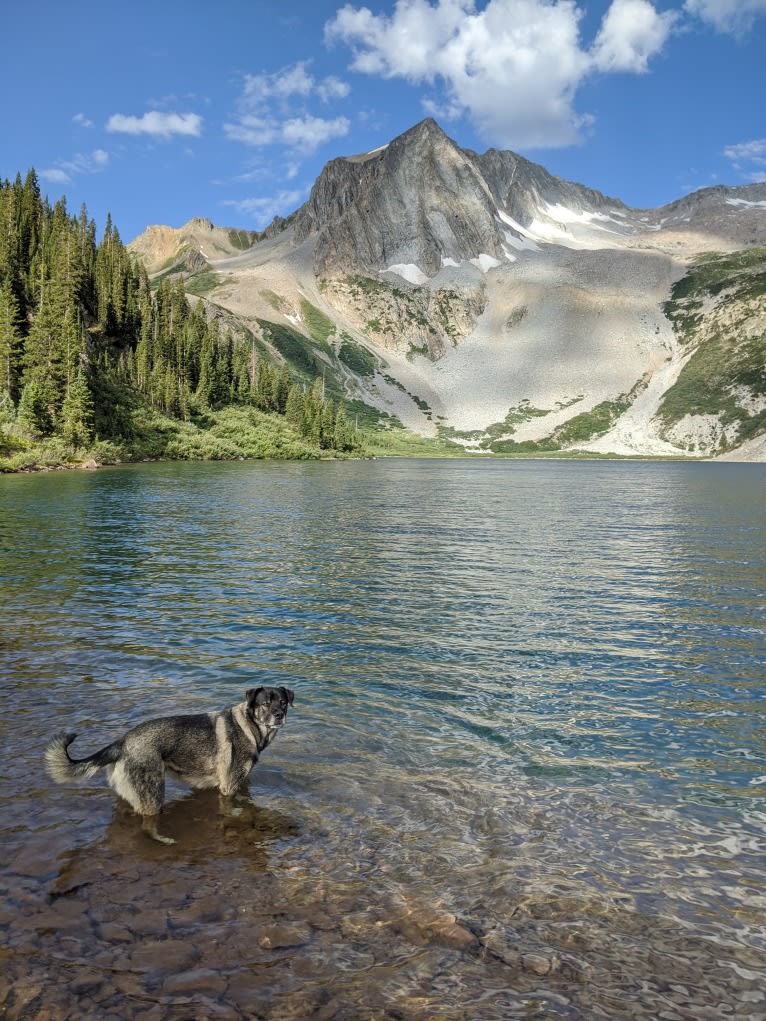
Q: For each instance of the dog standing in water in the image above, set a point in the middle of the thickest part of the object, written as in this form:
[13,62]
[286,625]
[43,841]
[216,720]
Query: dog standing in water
[204,750]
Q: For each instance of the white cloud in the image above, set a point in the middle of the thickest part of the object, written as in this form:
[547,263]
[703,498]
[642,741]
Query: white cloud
[272,110]
[281,87]
[755,151]
[265,208]
[749,158]
[290,81]
[55,175]
[732,16]
[302,135]
[332,88]
[156,124]
[64,171]
[514,67]
[631,33]
[252,130]
[82,120]
[306,134]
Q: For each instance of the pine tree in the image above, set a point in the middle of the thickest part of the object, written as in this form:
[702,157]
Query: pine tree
[343,436]
[327,428]
[294,406]
[77,413]
[33,415]
[10,340]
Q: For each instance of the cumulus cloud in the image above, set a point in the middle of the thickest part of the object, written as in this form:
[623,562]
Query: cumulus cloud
[64,171]
[332,88]
[55,175]
[156,124]
[282,87]
[735,17]
[631,33]
[83,121]
[289,81]
[302,135]
[263,209]
[749,158]
[272,110]
[306,134]
[513,67]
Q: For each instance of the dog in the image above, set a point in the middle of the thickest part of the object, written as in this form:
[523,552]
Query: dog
[204,750]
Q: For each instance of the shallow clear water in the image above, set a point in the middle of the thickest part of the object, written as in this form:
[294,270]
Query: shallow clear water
[525,773]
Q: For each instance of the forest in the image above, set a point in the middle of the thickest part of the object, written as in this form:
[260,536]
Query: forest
[96,361]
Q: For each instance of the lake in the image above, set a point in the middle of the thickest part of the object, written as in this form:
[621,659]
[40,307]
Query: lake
[525,771]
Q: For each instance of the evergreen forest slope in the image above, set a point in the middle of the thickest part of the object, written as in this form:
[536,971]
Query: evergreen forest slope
[97,363]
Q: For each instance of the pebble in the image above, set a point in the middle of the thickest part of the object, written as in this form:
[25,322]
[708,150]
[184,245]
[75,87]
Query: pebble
[85,982]
[149,923]
[22,993]
[198,980]
[540,964]
[167,955]
[499,947]
[281,937]
[113,932]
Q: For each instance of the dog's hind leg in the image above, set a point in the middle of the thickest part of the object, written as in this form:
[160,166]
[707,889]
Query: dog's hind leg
[142,785]
[149,826]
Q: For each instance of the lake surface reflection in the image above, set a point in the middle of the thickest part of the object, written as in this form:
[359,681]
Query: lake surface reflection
[525,773]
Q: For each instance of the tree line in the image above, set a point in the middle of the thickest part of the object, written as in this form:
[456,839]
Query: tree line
[78,318]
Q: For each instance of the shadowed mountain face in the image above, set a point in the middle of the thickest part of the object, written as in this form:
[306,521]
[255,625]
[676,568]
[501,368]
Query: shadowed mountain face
[480,298]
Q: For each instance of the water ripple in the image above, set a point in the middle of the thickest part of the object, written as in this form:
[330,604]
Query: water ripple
[531,692]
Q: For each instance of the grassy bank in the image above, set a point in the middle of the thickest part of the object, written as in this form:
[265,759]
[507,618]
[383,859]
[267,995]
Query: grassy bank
[226,435]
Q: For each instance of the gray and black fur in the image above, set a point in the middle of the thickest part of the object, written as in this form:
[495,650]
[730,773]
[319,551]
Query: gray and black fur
[204,750]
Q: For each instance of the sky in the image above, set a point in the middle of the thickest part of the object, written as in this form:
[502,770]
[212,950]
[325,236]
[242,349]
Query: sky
[158,112]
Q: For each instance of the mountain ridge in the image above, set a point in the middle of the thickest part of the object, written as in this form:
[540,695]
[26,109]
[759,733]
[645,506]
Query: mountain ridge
[499,302]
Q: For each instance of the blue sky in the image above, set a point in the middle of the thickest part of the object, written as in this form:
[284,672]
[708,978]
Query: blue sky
[160,112]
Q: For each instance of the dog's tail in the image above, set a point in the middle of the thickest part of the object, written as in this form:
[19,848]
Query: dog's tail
[64,769]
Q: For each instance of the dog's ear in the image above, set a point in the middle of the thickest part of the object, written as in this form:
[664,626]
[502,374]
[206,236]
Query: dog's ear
[288,694]
[252,697]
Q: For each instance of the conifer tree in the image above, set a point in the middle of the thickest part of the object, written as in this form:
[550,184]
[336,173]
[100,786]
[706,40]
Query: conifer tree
[77,412]
[33,414]
[10,339]
[294,406]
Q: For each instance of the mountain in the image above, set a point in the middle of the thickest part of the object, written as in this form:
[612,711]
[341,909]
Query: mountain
[189,248]
[478,298]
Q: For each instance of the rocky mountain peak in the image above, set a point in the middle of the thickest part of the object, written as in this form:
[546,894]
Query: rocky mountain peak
[421,202]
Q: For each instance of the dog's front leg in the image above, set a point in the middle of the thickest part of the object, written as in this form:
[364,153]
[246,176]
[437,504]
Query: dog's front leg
[234,787]
[226,806]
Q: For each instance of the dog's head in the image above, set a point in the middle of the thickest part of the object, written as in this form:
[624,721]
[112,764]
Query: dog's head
[269,705]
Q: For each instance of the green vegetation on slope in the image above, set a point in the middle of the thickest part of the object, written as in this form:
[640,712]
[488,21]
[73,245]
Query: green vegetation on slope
[717,309]
[90,353]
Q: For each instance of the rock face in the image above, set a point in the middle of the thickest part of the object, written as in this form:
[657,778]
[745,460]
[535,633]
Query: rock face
[422,201]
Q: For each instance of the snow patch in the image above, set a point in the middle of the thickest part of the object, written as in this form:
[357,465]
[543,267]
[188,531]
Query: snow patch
[521,244]
[744,202]
[485,262]
[450,262]
[408,271]
[526,241]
